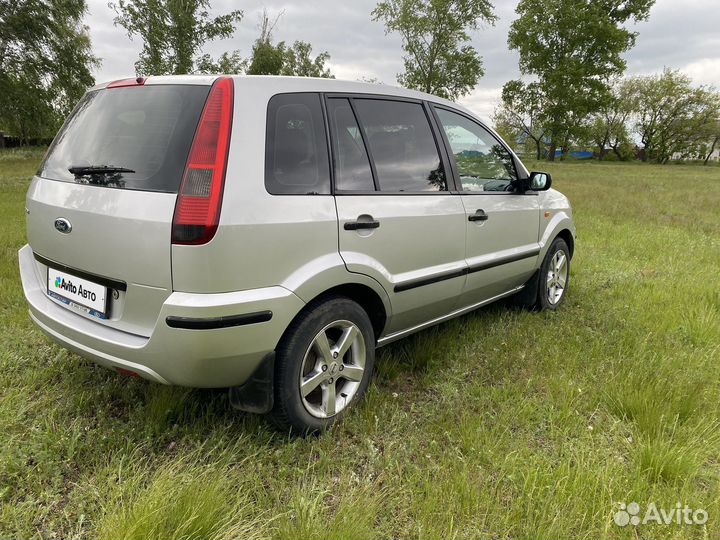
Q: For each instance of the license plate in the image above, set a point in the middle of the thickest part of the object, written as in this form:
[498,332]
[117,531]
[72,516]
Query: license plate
[78,292]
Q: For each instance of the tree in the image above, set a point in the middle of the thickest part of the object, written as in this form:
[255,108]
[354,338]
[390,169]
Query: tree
[573,48]
[270,59]
[434,33]
[298,61]
[267,59]
[229,63]
[713,142]
[173,32]
[45,64]
[520,114]
[672,116]
[607,128]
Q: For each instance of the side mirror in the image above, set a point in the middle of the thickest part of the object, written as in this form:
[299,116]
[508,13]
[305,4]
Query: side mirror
[539,181]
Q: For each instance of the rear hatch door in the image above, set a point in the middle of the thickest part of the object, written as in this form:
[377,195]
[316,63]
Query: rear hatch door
[101,206]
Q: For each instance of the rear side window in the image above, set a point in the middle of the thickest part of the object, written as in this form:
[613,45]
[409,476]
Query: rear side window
[146,130]
[402,145]
[352,167]
[296,154]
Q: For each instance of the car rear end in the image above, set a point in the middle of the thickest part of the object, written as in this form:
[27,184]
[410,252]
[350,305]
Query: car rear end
[138,167]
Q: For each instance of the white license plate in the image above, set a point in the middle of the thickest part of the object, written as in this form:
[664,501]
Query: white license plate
[78,292]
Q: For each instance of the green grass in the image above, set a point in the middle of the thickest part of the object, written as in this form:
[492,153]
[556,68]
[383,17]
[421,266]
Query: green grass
[499,424]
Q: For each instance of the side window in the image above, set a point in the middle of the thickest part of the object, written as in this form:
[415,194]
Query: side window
[402,145]
[296,156]
[483,163]
[352,167]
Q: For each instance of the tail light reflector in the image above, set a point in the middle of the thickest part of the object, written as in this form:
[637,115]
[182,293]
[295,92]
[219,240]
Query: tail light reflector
[197,210]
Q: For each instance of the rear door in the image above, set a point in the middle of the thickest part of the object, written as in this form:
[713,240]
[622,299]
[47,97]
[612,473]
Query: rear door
[398,222]
[118,225]
[502,224]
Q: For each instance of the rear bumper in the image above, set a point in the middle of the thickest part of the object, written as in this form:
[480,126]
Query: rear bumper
[222,352]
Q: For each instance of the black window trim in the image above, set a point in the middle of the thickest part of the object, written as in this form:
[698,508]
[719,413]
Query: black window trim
[448,160]
[368,151]
[351,96]
[331,155]
[327,144]
[451,156]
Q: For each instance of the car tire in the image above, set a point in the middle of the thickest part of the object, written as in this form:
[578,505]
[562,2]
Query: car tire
[323,365]
[554,276]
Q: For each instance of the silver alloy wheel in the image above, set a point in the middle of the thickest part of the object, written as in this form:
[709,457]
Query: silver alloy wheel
[557,277]
[332,369]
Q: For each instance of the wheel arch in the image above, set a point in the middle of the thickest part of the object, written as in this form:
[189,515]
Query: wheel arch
[566,235]
[365,297]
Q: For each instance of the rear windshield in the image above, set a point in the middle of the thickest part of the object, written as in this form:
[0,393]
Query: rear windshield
[144,129]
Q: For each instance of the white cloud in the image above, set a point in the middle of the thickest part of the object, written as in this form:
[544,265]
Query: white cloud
[680,35]
[482,101]
[704,71]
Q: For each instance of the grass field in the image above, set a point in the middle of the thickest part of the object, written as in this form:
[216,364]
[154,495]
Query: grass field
[499,424]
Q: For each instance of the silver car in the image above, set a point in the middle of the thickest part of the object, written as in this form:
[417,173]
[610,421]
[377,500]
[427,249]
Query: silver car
[266,234]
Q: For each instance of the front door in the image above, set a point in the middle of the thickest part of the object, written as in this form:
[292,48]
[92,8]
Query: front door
[502,224]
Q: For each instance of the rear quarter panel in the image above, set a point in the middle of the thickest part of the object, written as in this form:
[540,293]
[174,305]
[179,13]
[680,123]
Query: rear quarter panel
[263,240]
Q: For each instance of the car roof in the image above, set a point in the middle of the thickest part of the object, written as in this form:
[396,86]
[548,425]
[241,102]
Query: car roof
[282,84]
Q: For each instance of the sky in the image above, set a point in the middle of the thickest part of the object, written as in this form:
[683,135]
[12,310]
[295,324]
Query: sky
[679,34]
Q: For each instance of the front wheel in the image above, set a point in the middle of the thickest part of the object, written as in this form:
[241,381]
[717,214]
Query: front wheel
[547,288]
[554,275]
[323,365]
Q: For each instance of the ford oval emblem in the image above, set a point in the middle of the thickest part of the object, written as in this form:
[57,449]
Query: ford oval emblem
[63,225]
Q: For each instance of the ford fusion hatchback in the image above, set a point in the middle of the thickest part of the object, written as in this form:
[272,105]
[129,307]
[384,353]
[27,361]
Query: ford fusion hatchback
[267,234]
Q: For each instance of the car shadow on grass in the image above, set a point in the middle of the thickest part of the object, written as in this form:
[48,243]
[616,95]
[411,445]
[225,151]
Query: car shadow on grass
[146,411]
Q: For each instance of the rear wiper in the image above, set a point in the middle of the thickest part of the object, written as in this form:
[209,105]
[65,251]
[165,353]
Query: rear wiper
[80,170]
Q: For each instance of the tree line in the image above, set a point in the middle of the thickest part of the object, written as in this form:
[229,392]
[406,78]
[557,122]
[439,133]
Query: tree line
[572,94]
[46,58]
[653,118]
[575,95]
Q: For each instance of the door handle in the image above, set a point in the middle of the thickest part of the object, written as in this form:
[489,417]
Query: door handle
[357,225]
[479,215]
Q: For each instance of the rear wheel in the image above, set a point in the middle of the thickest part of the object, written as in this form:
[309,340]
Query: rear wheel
[323,365]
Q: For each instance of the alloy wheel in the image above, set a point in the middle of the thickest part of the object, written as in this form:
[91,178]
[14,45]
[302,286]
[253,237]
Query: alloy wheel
[332,369]
[557,277]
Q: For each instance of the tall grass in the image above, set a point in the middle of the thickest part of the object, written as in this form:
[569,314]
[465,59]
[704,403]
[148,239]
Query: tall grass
[499,424]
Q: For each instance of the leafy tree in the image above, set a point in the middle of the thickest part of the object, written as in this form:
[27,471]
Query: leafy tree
[607,128]
[45,63]
[672,115]
[520,113]
[270,59]
[173,31]
[573,48]
[267,59]
[228,63]
[713,141]
[434,36]
[298,61]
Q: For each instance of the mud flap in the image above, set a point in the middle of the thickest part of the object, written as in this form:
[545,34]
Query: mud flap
[256,395]
[527,296]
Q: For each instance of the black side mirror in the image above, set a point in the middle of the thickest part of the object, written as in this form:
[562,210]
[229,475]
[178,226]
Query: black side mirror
[539,181]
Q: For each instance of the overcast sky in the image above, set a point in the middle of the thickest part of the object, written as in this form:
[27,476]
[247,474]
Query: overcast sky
[680,34]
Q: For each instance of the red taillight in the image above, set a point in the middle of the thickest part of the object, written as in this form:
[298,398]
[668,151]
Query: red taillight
[197,210]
